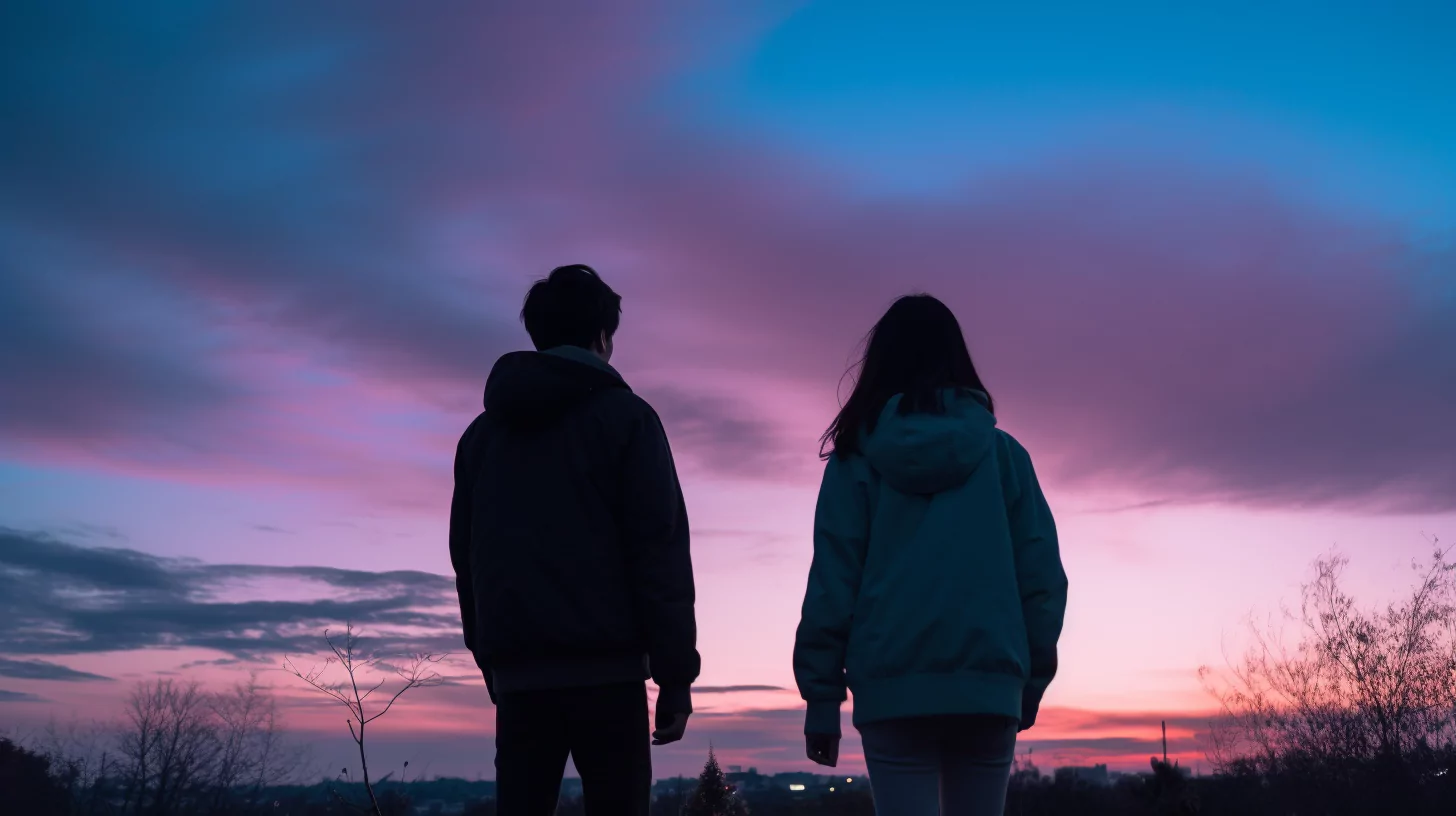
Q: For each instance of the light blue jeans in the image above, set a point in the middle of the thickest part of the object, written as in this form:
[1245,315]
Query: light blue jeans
[952,765]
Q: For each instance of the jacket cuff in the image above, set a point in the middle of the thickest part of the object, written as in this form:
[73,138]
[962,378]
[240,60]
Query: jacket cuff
[489,676]
[822,718]
[675,699]
[1030,706]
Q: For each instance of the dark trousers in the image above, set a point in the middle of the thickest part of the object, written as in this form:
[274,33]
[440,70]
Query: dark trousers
[602,728]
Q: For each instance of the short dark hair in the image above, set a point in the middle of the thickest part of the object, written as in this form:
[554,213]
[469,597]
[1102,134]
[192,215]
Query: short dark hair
[572,306]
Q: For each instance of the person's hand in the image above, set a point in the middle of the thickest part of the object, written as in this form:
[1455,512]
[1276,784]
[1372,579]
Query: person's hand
[822,748]
[672,730]
[674,704]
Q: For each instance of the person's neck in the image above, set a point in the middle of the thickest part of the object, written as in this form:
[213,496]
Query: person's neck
[582,355]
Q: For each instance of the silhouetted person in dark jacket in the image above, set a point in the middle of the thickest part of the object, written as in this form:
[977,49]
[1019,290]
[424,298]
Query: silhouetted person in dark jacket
[569,539]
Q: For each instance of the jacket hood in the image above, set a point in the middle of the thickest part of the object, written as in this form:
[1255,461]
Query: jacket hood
[535,389]
[931,453]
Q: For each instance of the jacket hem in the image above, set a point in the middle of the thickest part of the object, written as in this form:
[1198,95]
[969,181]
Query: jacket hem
[569,672]
[925,695]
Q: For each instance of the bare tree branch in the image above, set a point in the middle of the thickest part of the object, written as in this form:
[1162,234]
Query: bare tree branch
[354,664]
[1359,685]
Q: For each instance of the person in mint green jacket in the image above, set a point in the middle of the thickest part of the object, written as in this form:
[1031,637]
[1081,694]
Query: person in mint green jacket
[937,592]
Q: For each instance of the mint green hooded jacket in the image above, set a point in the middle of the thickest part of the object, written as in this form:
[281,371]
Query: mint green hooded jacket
[937,587]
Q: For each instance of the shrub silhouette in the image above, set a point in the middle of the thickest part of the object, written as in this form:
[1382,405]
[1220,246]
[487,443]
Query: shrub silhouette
[1359,715]
[25,779]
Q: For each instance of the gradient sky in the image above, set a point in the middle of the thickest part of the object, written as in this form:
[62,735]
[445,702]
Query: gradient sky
[256,261]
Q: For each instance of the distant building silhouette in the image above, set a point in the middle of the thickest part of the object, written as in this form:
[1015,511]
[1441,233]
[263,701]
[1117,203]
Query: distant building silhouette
[1096,775]
[749,781]
[788,781]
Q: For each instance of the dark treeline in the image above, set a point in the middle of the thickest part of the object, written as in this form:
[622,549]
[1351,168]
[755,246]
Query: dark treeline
[1429,787]
[1337,709]
[1415,789]
[176,750]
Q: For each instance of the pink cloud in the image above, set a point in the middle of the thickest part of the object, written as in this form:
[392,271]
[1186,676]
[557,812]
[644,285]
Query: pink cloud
[1150,328]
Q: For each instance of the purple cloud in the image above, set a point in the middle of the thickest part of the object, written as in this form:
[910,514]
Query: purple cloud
[42,670]
[7,696]
[352,206]
[60,598]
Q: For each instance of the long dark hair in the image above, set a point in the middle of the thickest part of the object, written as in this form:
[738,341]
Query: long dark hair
[916,349]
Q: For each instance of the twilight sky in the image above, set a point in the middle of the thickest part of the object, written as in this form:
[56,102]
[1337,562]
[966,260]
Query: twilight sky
[256,261]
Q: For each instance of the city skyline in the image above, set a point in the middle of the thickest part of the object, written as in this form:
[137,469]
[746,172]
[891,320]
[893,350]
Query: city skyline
[255,264]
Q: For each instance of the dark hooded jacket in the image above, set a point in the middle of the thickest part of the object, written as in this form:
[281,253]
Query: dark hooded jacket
[569,535]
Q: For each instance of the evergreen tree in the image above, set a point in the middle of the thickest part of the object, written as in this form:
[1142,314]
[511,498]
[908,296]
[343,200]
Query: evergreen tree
[25,779]
[714,797]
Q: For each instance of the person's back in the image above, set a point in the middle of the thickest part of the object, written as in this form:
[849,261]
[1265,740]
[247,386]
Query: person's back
[937,591]
[569,539]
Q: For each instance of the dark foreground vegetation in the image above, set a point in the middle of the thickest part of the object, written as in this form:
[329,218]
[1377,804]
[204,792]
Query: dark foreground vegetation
[31,789]
[31,786]
[1418,789]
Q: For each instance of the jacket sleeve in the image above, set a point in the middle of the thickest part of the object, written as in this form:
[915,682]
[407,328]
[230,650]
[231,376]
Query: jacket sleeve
[660,563]
[1040,577]
[841,536]
[460,544]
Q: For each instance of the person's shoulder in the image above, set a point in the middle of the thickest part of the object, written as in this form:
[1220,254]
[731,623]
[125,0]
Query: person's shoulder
[1014,462]
[473,429]
[627,411]
[848,466]
[468,448]
[1010,445]
[626,402]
